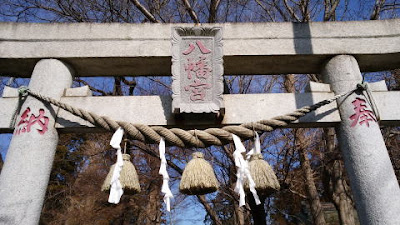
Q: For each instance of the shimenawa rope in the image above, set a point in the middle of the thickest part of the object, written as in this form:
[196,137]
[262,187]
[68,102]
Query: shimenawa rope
[183,138]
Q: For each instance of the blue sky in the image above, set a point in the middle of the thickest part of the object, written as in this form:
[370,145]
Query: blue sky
[4,143]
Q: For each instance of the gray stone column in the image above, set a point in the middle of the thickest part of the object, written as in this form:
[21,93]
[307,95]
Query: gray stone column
[26,171]
[372,179]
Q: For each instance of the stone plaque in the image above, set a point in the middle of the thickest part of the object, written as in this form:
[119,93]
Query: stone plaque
[197,70]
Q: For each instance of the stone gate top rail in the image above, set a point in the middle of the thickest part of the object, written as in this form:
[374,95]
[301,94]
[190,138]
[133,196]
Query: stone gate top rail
[249,48]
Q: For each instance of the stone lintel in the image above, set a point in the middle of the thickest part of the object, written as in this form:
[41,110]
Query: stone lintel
[156,110]
[83,91]
[249,48]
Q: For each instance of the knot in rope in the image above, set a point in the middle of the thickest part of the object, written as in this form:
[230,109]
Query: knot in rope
[365,89]
[362,86]
[23,91]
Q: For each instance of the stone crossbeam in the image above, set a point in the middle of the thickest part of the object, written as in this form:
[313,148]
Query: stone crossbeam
[156,110]
[249,48]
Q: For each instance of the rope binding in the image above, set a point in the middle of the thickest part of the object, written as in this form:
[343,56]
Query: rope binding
[189,138]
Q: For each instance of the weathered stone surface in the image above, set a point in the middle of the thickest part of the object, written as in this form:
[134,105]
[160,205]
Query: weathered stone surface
[378,86]
[83,91]
[10,92]
[249,48]
[7,110]
[317,87]
[26,170]
[372,179]
[197,70]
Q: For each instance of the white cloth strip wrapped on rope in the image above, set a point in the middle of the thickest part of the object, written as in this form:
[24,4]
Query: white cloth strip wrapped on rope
[243,173]
[163,171]
[116,190]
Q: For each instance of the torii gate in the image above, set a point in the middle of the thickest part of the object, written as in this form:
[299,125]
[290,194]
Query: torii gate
[337,50]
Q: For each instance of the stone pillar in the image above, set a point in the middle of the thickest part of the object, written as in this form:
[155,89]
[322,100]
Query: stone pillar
[372,179]
[26,171]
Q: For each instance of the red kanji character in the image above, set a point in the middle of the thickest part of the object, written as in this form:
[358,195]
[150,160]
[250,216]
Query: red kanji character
[190,67]
[41,120]
[203,71]
[361,113]
[202,48]
[199,44]
[200,68]
[23,120]
[189,50]
[197,88]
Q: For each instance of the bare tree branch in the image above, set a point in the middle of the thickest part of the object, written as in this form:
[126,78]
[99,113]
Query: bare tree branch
[330,8]
[211,211]
[304,5]
[145,148]
[91,87]
[212,18]
[117,86]
[145,12]
[297,193]
[377,9]
[160,83]
[265,9]
[190,11]
[132,84]
[291,11]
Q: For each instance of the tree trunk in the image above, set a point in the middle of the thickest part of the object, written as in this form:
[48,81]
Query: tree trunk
[239,212]
[313,197]
[340,197]
[257,211]
[117,86]
[153,207]
[212,18]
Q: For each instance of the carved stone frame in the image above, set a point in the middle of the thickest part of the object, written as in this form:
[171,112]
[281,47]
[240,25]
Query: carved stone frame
[178,34]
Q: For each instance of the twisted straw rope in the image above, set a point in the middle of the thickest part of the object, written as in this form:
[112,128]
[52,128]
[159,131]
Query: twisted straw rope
[183,138]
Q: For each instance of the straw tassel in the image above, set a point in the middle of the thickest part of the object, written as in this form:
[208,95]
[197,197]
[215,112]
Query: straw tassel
[198,178]
[263,175]
[128,178]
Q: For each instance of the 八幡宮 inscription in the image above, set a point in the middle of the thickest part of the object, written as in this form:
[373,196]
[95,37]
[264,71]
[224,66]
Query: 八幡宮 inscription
[197,70]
